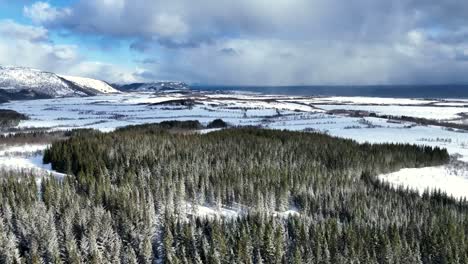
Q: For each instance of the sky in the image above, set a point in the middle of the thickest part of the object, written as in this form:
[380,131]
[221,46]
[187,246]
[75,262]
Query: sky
[241,42]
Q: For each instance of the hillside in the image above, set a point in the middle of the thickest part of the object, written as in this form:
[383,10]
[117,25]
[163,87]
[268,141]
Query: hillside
[19,83]
[91,84]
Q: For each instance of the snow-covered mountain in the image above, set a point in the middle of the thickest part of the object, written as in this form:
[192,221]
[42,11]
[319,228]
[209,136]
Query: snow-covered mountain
[27,83]
[155,86]
[92,84]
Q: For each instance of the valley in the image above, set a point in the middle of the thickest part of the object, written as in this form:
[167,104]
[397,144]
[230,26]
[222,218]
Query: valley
[191,157]
[357,118]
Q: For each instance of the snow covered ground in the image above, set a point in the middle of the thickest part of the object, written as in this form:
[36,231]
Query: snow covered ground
[231,212]
[454,181]
[429,112]
[26,158]
[108,112]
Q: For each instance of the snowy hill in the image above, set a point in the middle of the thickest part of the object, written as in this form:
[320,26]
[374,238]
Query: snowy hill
[18,83]
[98,85]
[160,86]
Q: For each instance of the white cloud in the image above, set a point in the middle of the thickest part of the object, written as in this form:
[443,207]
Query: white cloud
[103,71]
[416,37]
[20,46]
[24,45]
[43,12]
[9,28]
[169,26]
[65,52]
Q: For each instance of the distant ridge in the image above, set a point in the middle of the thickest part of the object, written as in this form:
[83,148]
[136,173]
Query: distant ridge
[159,86]
[20,83]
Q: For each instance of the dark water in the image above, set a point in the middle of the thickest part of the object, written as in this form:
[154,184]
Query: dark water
[399,91]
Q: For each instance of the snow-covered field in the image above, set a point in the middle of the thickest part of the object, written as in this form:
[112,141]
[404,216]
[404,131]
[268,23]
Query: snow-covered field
[429,112]
[26,158]
[108,112]
[454,181]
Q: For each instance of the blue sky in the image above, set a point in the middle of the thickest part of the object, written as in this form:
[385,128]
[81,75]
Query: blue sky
[242,42]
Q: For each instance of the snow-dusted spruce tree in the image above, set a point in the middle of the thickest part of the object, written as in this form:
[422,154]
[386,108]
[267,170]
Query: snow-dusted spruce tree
[127,196]
[9,252]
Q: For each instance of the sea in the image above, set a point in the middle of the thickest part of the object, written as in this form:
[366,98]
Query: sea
[391,91]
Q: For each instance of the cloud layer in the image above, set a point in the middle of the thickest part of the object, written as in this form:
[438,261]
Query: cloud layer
[269,42]
[24,45]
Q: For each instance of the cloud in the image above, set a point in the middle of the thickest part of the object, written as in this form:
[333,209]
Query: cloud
[228,51]
[462,55]
[104,71]
[262,61]
[169,25]
[144,74]
[29,46]
[278,42]
[279,62]
[44,13]
[147,61]
[10,29]
[25,45]
[182,21]
[141,45]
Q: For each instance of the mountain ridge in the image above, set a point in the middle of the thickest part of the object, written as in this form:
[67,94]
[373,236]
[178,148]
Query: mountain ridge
[24,83]
[21,83]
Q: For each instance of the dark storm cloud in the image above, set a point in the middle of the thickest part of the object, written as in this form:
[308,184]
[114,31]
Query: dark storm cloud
[450,37]
[228,51]
[174,44]
[282,41]
[141,45]
[460,56]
